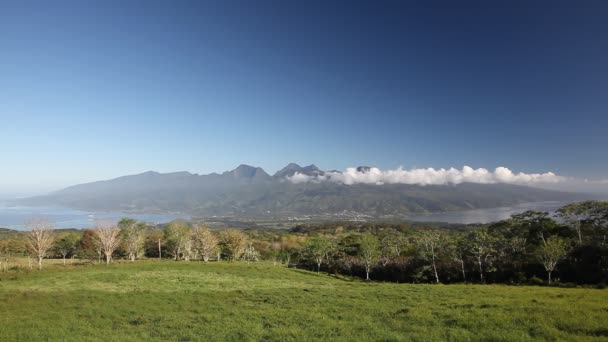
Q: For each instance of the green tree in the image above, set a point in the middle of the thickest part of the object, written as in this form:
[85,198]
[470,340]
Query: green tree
[573,214]
[317,250]
[133,235]
[537,223]
[458,251]
[552,251]
[177,237]
[430,244]
[482,246]
[66,245]
[392,244]
[369,251]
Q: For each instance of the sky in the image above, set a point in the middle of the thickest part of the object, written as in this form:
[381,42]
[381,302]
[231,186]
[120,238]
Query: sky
[96,90]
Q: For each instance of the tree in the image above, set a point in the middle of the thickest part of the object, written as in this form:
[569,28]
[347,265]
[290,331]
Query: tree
[66,245]
[205,242]
[574,213]
[590,213]
[108,235]
[369,251]
[392,245]
[317,250]
[40,238]
[178,237]
[428,246]
[133,236]
[234,243]
[551,252]
[89,246]
[536,222]
[250,254]
[482,248]
[458,251]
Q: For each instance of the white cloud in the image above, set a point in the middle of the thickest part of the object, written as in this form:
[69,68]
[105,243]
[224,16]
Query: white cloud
[429,176]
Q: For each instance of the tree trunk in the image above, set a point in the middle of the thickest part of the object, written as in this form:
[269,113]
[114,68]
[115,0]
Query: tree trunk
[464,276]
[549,277]
[480,272]
[318,267]
[435,270]
[64,260]
[108,258]
[160,256]
[39,263]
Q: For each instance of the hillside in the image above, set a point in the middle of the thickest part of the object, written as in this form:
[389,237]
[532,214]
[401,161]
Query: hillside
[250,191]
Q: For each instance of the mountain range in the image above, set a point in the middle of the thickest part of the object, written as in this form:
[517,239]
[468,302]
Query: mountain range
[249,191]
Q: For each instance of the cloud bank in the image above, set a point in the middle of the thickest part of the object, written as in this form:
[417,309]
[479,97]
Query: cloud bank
[428,176]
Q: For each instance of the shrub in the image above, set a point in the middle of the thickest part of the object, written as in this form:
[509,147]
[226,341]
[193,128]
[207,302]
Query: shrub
[536,281]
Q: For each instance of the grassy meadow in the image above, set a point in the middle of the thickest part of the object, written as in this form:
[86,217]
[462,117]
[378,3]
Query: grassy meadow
[181,301]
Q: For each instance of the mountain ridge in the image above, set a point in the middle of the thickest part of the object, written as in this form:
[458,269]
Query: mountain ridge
[251,191]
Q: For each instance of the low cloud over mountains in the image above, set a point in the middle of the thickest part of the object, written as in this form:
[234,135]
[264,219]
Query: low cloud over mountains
[427,176]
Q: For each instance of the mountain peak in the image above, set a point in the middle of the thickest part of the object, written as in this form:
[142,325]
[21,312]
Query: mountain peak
[248,172]
[292,168]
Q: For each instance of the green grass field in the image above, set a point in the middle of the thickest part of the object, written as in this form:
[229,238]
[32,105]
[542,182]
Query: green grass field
[180,301]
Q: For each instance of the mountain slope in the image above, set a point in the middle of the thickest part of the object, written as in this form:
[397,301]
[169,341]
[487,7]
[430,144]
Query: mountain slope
[250,191]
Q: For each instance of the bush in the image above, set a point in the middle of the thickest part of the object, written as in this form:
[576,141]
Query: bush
[536,281]
[600,286]
[520,278]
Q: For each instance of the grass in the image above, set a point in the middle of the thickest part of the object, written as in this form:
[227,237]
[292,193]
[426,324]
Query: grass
[180,301]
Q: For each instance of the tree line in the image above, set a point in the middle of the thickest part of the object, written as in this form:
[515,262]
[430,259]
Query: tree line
[531,247]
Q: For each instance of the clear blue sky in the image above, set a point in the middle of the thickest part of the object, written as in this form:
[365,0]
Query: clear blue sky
[94,90]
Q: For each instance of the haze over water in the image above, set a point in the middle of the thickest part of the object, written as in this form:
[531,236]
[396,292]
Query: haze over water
[16,217]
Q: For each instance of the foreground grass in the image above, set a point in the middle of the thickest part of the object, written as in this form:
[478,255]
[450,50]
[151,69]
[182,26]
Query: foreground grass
[182,301]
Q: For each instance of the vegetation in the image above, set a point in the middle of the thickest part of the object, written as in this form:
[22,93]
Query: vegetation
[197,301]
[519,250]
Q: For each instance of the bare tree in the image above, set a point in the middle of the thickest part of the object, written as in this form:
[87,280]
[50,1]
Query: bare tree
[250,254]
[205,242]
[234,242]
[40,238]
[108,235]
[188,248]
